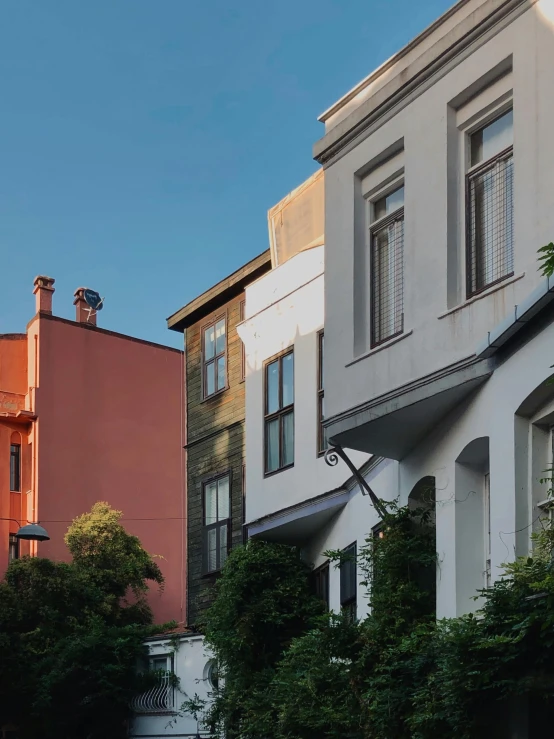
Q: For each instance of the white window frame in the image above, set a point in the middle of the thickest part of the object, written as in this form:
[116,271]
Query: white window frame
[393,183]
[470,118]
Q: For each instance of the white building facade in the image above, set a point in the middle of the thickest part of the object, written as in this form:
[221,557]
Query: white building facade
[292,495]
[185,670]
[438,325]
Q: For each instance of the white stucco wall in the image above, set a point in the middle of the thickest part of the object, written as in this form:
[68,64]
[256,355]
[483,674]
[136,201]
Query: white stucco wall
[285,308]
[445,327]
[190,664]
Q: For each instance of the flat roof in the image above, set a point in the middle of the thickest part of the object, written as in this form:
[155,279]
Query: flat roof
[220,293]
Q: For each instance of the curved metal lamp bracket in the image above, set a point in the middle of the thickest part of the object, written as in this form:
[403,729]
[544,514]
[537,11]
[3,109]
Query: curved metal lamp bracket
[332,459]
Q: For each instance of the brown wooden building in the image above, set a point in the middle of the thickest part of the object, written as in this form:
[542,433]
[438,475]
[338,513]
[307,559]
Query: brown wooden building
[214,439]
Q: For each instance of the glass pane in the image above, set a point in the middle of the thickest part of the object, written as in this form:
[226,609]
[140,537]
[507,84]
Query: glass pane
[387,281]
[209,343]
[272,445]
[272,387]
[159,664]
[288,439]
[221,373]
[223,499]
[492,139]
[210,378]
[220,336]
[288,380]
[388,204]
[222,545]
[212,550]
[210,505]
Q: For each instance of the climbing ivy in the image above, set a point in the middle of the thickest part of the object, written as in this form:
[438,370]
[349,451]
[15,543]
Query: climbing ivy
[291,673]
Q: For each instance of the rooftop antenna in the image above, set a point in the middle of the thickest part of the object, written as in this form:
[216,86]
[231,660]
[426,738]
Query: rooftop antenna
[94,302]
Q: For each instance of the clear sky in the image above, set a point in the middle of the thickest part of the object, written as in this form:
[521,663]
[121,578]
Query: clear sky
[143,141]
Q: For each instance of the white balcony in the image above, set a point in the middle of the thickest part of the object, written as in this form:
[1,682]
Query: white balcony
[159,699]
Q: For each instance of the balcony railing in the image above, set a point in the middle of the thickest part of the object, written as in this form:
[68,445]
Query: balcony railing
[159,699]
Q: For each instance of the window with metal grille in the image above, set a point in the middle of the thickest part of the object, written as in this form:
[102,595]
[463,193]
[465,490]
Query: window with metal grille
[15,468]
[348,585]
[214,356]
[216,522]
[321,583]
[321,436]
[13,551]
[279,413]
[387,267]
[490,217]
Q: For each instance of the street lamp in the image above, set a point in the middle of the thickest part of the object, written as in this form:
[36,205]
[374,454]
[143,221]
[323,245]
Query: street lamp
[29,532]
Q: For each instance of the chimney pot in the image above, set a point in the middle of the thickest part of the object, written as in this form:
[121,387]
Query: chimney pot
[83,314]
[43,290]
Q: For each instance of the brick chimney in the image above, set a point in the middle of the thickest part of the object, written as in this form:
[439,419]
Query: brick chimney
[83,314]
[44,289]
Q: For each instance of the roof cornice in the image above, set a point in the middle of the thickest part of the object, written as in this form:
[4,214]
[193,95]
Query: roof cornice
[410,80]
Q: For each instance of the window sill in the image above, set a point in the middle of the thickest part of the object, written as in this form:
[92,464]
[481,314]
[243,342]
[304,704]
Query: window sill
[489,291]
[207,398]
[281,469]
[381,347]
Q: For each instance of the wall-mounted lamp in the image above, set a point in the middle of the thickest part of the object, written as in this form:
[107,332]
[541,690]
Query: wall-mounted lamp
[29,532]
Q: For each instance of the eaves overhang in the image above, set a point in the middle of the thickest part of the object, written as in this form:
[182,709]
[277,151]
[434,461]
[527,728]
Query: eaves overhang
[393,424]
[521,317]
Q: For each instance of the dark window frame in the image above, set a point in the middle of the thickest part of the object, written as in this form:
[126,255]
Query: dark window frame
[218,525]
[15,468]
[242,309]
[213,360]
[321,575]
[321,440]
[280,413]
[472,255]
[13,548]
[376,226]
[349,600]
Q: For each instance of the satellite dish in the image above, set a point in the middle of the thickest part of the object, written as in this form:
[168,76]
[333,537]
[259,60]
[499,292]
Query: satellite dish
[93,299]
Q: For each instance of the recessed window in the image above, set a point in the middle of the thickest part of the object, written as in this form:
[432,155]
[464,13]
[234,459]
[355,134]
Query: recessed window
[490,218]
[216,523]
[348,584]
[214,356]
[13,551]
[321,583]
[279,413]
[387,266]
[15,468]
[321,436]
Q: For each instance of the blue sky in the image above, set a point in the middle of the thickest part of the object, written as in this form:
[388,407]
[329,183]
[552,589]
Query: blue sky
[143,141]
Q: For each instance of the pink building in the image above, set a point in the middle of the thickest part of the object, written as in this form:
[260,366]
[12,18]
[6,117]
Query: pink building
[87,414]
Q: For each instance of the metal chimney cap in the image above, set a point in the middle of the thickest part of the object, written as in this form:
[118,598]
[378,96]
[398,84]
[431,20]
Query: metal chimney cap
[32,532]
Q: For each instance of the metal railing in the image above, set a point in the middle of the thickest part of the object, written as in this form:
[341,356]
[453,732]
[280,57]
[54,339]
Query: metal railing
[159,699]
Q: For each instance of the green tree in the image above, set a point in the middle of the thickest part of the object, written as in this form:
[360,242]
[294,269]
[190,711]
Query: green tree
[72,634]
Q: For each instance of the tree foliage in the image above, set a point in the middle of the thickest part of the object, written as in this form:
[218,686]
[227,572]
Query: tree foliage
[397,674]
[71,634]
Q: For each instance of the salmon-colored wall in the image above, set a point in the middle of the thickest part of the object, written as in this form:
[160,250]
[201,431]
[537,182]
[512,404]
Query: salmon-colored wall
[13,387]
[109,428]
[13,363]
